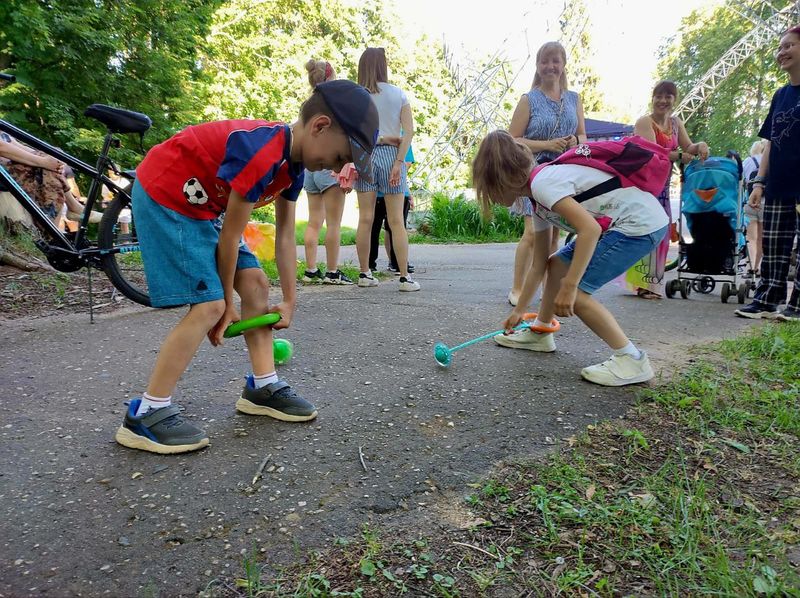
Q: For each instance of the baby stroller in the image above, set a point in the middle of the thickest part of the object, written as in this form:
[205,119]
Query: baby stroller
[712,205]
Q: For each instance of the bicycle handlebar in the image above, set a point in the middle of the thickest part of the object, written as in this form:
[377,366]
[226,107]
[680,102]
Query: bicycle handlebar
[7,77]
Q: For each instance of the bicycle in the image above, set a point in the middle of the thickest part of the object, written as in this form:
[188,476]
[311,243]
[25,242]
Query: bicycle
[114,249]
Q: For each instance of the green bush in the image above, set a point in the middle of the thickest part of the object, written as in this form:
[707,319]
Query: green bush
[460,220]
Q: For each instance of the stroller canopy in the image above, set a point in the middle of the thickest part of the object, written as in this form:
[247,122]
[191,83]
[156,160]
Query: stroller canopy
[711,186]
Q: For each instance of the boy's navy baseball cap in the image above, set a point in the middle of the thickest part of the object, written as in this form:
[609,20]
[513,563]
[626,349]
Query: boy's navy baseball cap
[355,112]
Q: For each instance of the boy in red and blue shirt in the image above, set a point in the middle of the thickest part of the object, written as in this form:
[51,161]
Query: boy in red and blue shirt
[182,188]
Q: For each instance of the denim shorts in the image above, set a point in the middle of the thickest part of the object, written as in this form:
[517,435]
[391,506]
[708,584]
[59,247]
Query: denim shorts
[180,253]
[318,181]
[383,157]
[614,255]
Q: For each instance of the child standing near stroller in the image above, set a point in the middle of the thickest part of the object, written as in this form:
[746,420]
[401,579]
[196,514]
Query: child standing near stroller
[615,227]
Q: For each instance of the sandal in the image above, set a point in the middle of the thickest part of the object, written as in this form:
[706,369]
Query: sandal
[645,294]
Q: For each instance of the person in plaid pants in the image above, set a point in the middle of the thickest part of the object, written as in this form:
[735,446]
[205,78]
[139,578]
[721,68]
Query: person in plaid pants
[778,180]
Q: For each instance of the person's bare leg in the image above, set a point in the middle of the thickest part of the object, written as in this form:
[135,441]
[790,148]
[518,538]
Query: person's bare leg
[600,320]
[366,213]
[316,214]
[253,289]
[592,313]
[394,215]
[523,256]
[333,200]
[180,346]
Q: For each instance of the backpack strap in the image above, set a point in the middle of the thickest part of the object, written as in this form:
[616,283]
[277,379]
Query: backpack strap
[606,186]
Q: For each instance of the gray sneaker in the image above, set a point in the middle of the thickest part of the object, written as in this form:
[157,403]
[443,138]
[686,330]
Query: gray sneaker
[161,431]
[278,400]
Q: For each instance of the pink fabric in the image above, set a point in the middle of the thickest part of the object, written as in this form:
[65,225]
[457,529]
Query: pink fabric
[347,176]
[622,159]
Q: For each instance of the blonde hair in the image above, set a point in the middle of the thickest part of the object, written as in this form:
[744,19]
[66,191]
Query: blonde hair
[372,69]
[319,71]
[501,164]
[757,147]
[546,49]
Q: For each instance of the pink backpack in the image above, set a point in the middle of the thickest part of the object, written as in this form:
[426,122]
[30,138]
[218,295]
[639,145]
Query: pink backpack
[634,162]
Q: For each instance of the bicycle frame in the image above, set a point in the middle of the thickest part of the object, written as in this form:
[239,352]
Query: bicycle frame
[77,250]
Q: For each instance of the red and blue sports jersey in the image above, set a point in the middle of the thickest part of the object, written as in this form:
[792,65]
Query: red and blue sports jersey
[194,171]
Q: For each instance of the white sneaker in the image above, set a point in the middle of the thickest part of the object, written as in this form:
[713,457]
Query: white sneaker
[619,370]
[525,338]
[367,280]
[408,285]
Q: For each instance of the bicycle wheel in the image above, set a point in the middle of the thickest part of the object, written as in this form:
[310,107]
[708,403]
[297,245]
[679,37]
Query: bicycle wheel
[122,258]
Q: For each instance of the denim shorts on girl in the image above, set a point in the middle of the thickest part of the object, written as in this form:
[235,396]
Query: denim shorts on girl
[180,253]
[318,181]
[614,255]
[383,157]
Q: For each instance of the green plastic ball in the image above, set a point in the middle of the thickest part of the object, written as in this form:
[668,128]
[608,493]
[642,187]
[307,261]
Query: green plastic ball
[282,350]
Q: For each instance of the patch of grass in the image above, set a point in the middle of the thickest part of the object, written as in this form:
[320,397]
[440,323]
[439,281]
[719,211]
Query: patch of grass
[348,236]
[694,493]
[459,220]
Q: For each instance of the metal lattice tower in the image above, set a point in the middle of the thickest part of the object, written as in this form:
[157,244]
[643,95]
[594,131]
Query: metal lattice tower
[483,89]
[763,33]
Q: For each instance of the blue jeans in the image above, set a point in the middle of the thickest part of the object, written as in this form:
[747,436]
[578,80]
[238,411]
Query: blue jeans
[614,255]
[180,253]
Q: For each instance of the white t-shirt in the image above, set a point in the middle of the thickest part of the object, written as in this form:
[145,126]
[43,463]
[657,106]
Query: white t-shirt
[389,102]
[750,166]
[630,211]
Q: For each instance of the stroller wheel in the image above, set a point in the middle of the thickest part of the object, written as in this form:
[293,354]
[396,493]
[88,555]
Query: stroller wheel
[725,293]
[742,294]
[686,288]
[671,288]
[704,285]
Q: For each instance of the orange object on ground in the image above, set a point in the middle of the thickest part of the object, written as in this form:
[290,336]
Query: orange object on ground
[555,325]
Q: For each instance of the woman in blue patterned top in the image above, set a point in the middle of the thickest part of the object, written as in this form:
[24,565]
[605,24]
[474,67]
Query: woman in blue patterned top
[549,120]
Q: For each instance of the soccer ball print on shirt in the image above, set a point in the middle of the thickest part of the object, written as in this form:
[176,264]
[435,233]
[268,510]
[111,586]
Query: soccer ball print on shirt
[193,192]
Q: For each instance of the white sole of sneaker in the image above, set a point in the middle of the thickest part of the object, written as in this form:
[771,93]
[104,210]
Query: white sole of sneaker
[250,408]
[127,438]
[503,341]
[618,381]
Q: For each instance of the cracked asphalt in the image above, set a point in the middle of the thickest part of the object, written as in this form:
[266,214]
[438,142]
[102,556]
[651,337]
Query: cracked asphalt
[84,516]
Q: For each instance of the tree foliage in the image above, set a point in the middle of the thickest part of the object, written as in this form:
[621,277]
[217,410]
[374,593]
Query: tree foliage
[578,43]
[732,116]
[67,54]
[187,61]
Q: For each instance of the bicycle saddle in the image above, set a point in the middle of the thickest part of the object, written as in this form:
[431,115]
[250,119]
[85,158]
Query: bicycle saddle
[119,120]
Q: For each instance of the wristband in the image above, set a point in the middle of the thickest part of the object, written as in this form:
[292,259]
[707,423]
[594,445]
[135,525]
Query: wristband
[758,179]
[399,160]
[759,184]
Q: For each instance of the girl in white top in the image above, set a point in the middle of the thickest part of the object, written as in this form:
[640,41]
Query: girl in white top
[614,230]
[396,121]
